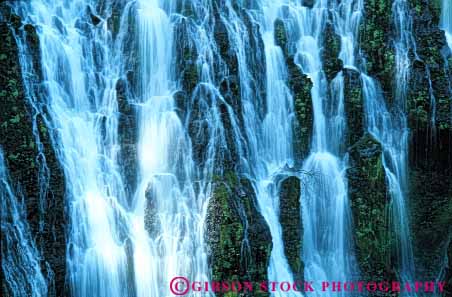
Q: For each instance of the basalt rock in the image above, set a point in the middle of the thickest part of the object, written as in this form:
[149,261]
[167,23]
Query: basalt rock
[368,194]
[151,221]
[300,85]
[376,43]
[308,3]
[281,37]
[127,132]
[429,106]
[185,55]
[330,52]
[431,220]
[291,224]
[238,237]
[24,135]
[429,99]
[353,105]
[448,277]
[256,60]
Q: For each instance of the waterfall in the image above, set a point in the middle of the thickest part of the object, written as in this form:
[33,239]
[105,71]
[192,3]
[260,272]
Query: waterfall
[389,127]
[273,146]
[130,238]
[446,21]
[326,211]
[166,169]
[80,67]
[379,120]
[20,257]
[396,145]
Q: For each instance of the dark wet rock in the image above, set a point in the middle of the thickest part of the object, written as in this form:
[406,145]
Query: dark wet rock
[353,105]
[281,38]
[185,55]
[230,90]
[226,51]
[429,106]
[330,53]
[128,135]
[368,194]
[308,3]
[429,102]
[301,87]
[21,128]
[95,20]
[431,220]
[376,43]
[151,220]
[238,237]
[291,224]
[181,100]
[256,60]
[448,270]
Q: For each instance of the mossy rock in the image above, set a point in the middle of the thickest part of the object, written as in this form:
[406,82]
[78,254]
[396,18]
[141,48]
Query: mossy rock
[368,193]
[354,106]
[27,142]
[301,85]
[291,224]
[237,235]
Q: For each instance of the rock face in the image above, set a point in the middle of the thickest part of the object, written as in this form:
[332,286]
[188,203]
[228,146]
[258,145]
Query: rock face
[330,52]
[238,237]
[429,106]
[127,131]
[376,45]
[369,199]
[354,106]
[301,86]
[291,224]
[23,134]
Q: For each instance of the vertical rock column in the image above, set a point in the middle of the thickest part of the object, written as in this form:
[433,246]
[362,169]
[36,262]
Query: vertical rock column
[20,128]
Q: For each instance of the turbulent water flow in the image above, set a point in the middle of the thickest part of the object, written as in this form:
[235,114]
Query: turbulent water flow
[274,145]
[166,181]
[20,257]
[389,127]
[379,119]
[326,214]
[80,66]
[131,244]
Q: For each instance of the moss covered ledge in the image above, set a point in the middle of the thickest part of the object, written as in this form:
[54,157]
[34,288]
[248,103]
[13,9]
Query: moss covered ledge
[237,235]
[369,198]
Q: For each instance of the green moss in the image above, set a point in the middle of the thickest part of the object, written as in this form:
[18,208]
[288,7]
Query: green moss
[301,87]
[291,224]
[232,209]
[370,207]
[281,38]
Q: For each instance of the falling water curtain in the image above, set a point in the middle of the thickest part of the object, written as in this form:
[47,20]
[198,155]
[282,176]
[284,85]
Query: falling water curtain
[153,148]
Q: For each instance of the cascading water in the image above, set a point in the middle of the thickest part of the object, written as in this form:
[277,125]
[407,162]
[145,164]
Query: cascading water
[269,137]
[80,68]
[20,257]
[326,214]
[176,246]
[132,244]
[446,21]
[379,119]
[389,127]
[274,145]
